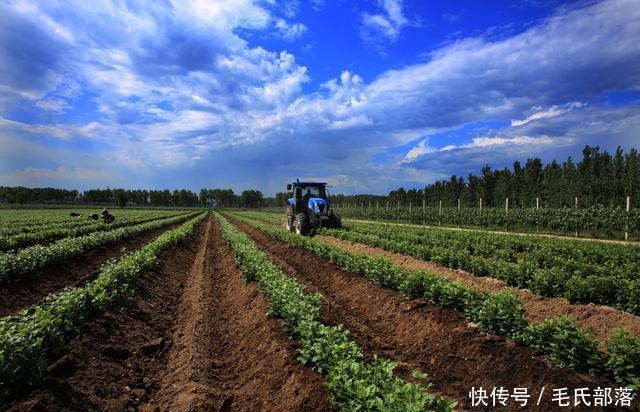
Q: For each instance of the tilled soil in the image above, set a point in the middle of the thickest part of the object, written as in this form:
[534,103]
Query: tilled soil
[195,337]
[30,289]
[115,362]
[228,355]
[419,335]
[600,319]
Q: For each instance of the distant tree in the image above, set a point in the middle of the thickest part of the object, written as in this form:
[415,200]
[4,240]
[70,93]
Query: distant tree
[121,197]
[251,198]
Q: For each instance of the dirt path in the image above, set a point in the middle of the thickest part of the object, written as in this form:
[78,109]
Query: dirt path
[115,362]
[32,288]
[581,239]
[227,354]
[196,337]
[601,319]
[418,335]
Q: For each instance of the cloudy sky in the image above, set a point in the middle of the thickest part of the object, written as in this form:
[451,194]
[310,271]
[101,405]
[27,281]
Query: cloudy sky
[368,95]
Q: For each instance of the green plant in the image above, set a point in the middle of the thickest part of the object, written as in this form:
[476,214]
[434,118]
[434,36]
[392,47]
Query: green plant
[354,385]
[501,313]
[566,343]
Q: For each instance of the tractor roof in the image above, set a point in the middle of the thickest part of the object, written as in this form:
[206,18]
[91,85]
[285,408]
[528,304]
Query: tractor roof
[308,184]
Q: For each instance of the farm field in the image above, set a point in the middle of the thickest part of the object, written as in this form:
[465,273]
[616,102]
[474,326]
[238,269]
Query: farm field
[590,222]
[182,310]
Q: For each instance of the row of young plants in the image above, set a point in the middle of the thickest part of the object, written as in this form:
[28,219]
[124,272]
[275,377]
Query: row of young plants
[50,233]
[30,259]
[47,219]
[587,258]
[598,221]
[593,273]
[30,340]
[354,384]
[503,313]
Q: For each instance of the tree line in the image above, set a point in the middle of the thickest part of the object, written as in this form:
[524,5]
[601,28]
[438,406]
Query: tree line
[125,197]
[599,178]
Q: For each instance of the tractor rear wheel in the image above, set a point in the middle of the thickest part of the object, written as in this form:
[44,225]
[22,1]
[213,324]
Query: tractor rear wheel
[303,224]
[335,221]
[290,220]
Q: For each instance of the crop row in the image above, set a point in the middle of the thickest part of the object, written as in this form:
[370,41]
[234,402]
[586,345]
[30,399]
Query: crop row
[542,252]
[598,221]
[35,336]
[501,313]
[354,385]
[44,220]
[582,272]
[13,265]
[49,233]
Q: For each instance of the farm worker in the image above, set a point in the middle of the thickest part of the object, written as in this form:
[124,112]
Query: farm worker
[306,197]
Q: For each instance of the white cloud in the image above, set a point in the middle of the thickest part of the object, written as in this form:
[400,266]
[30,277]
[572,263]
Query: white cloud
[420,149]
[290,31]
[384,26]
[53,105]
[552,111]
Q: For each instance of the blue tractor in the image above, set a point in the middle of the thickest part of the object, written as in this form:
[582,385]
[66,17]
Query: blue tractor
[309,208]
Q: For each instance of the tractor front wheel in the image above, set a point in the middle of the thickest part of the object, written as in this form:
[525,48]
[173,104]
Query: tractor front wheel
[303,224]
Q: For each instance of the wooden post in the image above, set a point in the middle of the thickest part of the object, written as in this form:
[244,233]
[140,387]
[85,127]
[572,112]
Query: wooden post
[424,215]
[377,205]
[398,205]
[626,228]
[577,229]
[440,214]
[409,207]
[481,225]
[506,212]
[458,220]
[387,205]
[369,205]
[537,208]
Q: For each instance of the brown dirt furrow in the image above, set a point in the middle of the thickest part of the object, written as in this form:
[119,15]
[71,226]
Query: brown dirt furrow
[419,335]
[228,355]
[32,288]
[600,319]
[114,364]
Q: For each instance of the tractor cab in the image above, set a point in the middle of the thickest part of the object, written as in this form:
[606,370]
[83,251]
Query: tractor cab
[309,208]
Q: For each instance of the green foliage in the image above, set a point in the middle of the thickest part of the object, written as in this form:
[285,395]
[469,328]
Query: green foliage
[600,221]
[36,257]
[25,235]
[502,313]
[354,385]
[567,344]
[30,339]
[624,357]
[582,272]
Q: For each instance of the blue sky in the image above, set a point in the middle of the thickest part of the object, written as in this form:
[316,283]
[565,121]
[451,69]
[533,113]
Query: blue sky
[368,95]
